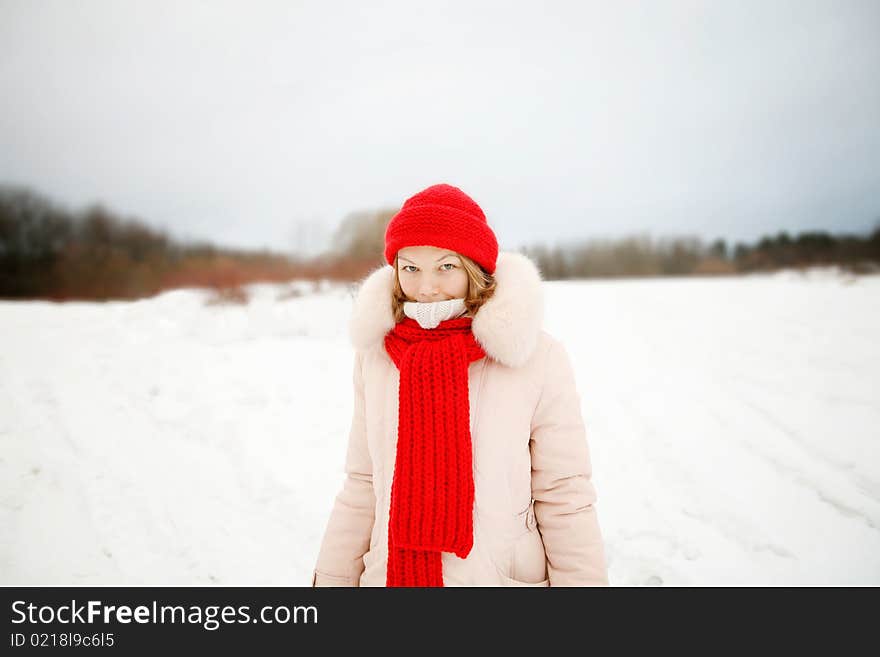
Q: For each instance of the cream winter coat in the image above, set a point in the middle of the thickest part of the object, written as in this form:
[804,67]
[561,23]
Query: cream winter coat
[535,521]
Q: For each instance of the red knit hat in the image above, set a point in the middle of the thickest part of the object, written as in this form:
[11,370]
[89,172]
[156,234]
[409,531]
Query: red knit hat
[445,217]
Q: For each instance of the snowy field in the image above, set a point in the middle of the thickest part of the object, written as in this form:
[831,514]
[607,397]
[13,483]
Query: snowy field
[734,425]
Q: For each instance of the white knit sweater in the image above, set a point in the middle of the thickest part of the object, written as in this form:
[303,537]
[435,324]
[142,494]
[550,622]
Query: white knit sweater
[430,313]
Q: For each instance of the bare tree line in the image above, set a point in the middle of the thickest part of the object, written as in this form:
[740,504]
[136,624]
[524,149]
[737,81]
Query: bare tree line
[677,256]
[50,252]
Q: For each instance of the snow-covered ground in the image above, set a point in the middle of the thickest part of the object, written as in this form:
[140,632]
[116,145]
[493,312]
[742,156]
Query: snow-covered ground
[734,425]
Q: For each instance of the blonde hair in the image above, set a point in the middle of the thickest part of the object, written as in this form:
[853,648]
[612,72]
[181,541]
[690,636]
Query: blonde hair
[481,287]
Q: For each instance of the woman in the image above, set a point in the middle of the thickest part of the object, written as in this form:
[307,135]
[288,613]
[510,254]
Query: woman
[467,462]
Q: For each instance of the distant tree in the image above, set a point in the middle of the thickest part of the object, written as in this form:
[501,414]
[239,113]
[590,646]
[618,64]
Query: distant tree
[815,246]
[31,226]
[630,256]
[33,232]
[560,264]
[874,242]
[97,227]
[361,235]
[718,249]
[680,255]
[540,255]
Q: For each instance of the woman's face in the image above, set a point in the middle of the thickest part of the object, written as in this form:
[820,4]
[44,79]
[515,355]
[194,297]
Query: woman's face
[427,273]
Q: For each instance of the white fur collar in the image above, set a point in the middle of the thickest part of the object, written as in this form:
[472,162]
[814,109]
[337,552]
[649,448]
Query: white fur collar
[507,326]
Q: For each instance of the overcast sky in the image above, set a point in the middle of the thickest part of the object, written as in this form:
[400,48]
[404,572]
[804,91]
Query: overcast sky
[239,121]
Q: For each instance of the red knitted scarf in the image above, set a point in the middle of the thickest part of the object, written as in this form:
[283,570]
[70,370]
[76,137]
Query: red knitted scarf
[432,493]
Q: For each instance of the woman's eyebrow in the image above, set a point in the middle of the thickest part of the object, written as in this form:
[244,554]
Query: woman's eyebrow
[437,260]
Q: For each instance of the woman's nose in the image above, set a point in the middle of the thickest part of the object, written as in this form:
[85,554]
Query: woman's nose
[428,289]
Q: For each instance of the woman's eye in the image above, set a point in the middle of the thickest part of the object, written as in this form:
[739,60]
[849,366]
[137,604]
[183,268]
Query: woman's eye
[450,266]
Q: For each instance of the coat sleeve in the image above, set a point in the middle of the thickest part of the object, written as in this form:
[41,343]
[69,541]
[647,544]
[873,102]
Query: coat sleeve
[562,484]
[347,536]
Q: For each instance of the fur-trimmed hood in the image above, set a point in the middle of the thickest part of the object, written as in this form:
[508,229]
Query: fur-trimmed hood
[507,326]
